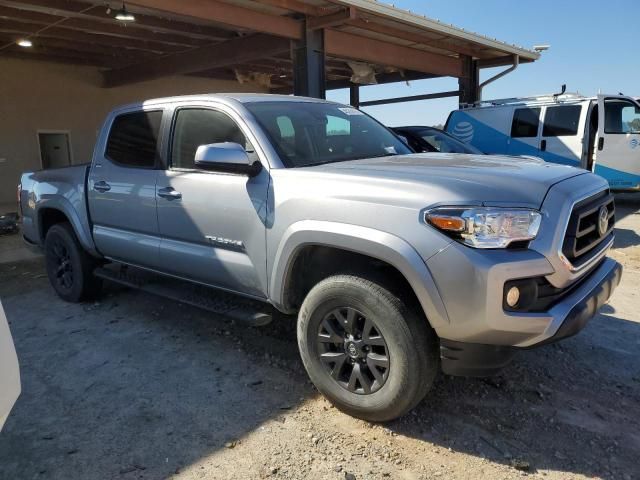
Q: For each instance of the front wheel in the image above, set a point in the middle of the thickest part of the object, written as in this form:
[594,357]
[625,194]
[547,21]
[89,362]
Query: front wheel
[69,267]
[364,349]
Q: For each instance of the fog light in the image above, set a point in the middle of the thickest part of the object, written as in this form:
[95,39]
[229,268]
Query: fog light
[513,295]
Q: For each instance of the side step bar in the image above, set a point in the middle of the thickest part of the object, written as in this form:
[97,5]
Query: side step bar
[249,312]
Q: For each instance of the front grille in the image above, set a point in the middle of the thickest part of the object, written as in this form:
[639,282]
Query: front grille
[583,234]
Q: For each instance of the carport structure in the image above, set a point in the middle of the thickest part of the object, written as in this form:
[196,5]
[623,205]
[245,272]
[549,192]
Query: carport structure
[303,47]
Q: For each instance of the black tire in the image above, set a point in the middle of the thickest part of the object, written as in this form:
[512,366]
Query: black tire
[408,344]
[69,266]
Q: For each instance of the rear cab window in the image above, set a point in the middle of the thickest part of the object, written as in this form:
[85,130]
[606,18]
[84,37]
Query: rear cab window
[561,121]
[525,122]
[133,139]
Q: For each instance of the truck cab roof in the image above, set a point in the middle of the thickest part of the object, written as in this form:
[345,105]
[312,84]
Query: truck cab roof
[224,97]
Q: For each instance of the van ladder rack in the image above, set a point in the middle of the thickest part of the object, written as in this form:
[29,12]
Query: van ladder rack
[518,100]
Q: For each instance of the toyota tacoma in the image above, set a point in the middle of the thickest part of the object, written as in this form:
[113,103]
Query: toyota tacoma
[397,264]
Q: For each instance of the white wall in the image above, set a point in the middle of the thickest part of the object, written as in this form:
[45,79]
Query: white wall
[51,96]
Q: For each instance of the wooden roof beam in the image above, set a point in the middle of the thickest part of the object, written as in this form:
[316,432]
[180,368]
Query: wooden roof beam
[371,26]
[294,6]
[333,19]
[46,10]
[112,30]
[355,47]
[227,14]
[21,29]
[85,47]
[231,52]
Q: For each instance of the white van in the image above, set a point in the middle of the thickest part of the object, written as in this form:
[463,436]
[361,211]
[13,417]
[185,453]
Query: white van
[561,128]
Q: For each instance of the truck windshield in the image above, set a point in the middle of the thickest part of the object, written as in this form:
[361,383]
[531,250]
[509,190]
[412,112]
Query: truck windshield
[309,133]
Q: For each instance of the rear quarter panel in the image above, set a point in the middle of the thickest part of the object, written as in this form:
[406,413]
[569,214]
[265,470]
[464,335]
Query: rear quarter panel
[62,189]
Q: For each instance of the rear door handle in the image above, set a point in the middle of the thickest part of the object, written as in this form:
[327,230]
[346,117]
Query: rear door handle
[169,193]
[101,186]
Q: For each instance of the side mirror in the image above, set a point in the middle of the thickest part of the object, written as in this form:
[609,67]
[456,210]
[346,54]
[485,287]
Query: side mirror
[226,157]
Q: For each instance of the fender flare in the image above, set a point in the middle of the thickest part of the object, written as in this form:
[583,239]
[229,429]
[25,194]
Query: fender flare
[367,241]
[80,228]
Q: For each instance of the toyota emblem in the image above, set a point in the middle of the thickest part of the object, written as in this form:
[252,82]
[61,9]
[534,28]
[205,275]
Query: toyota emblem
[603,220]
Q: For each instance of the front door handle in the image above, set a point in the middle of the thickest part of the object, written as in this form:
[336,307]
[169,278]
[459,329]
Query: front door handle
[101,186]
[169,193]
[600,143]
[543,145]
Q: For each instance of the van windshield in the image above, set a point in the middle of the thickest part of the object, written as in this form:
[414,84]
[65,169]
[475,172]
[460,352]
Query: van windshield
[309,133]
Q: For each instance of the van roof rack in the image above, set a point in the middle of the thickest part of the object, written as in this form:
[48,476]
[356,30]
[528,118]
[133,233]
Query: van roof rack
[556,98]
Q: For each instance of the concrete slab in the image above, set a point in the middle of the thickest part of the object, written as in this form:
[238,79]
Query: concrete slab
[13,249]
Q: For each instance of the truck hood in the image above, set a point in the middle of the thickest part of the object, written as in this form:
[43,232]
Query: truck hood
[457,179]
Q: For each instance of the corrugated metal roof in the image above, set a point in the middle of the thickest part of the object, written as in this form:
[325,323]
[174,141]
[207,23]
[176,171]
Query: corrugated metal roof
[412,21]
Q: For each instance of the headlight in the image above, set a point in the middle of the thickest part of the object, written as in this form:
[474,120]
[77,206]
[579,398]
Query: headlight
[489,227]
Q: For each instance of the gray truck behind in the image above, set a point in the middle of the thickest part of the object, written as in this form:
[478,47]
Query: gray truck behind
[397,264]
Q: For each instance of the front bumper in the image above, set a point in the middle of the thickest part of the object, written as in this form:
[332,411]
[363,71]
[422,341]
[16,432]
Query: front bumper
[569,316]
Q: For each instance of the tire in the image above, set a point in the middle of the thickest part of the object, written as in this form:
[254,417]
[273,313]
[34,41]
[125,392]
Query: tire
[69,266]
[408,344]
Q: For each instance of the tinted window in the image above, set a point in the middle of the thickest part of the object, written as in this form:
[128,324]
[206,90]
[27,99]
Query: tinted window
[441,142]
[133,139]
[195,127]
[561,121]
[525,122]
[621,116]
[310,133]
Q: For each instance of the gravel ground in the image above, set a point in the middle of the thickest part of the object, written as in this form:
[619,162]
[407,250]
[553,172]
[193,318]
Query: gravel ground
[135,386]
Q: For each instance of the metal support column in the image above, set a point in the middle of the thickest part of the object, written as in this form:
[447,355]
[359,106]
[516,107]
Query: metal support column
[309,65]
[354,96]
[468,83]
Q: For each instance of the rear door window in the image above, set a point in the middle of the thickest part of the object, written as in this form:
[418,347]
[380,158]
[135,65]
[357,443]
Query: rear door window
[133,139]
[525,122]
[561,121]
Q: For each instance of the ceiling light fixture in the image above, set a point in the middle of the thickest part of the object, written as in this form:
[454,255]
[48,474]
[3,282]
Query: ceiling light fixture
[124,16]
[25,43]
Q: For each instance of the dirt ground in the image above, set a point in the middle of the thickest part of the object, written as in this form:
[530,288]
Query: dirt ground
[137,387]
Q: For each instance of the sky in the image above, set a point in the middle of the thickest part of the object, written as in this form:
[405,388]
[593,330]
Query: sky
[595,46]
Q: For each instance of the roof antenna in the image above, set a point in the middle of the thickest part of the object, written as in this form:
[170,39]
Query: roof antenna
[562,90]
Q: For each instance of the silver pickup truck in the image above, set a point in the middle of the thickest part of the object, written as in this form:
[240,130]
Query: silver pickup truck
[397,264]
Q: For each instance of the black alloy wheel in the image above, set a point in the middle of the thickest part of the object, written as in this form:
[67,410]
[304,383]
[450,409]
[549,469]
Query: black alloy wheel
[353,351]
[63,268]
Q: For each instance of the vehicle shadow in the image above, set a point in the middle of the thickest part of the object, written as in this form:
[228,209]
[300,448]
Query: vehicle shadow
[627,204]
[568,407]
[626,238]
[135,385]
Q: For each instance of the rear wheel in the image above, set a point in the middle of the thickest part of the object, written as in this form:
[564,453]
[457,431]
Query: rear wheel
[364,349]
[69,267]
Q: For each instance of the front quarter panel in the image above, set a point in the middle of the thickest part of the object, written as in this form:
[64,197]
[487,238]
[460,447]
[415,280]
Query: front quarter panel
[374,243]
